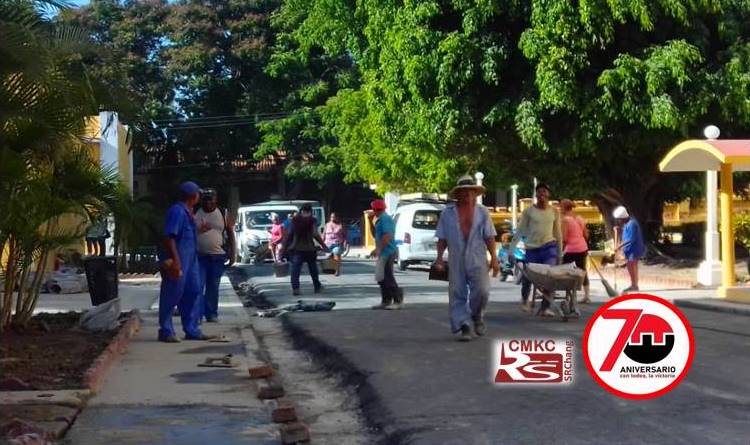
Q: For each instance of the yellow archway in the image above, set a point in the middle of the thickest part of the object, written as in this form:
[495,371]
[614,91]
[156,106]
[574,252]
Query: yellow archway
[725,156]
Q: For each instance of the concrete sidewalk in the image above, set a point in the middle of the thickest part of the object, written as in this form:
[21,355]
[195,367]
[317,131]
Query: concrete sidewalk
[158,394]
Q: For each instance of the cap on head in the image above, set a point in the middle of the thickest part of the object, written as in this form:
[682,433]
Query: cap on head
[621,213]
[378,205]
[306,208]
[189,188]
[208,193]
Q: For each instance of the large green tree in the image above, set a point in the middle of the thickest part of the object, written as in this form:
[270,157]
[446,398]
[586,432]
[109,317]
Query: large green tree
[585,95]
[619,83]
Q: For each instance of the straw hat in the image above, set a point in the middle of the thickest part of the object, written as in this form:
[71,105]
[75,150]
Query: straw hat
[466,182]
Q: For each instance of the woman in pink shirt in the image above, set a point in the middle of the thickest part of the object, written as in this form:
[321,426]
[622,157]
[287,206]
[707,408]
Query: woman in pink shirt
[277,234]
[575,248]
[335,239]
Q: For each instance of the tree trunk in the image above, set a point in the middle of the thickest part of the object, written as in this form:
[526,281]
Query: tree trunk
[11,275]
[644,203]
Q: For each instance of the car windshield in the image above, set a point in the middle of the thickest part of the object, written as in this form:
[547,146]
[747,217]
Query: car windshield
[259,219]
[426,219]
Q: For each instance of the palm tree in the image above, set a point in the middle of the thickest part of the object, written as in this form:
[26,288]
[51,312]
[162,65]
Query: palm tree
[46,172]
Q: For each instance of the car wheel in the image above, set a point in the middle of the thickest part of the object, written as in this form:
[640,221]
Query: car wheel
[402,265]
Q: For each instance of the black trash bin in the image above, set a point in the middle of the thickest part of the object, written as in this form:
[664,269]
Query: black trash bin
[101,274]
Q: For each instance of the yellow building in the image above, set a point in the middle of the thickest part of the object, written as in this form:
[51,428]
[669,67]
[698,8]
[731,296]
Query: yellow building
[109,145]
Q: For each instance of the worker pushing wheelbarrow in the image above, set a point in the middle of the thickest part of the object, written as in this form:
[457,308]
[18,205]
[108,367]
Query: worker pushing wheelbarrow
[546,280]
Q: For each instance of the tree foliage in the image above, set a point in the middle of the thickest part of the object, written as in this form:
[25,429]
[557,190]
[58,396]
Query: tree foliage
[585,95]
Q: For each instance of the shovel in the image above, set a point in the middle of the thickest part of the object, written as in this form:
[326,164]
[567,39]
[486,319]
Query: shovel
[611,292]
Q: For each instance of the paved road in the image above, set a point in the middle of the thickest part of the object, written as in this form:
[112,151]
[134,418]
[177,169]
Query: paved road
[418,385]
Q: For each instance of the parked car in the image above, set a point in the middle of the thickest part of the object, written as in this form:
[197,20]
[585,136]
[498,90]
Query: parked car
[415,233]
[253,224]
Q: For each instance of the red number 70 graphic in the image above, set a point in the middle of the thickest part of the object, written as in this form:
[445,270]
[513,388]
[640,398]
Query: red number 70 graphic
[631,317]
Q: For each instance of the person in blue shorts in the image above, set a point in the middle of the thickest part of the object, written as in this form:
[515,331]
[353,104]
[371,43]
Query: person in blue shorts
[631,243]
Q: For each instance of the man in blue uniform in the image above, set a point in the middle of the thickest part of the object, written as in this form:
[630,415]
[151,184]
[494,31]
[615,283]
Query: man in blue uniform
[631,244]
[180,284]
[466,230]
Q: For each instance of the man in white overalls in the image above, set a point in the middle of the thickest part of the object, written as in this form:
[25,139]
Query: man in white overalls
[466,229]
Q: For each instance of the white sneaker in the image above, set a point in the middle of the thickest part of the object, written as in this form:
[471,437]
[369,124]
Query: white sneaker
[393,307]
[379,306]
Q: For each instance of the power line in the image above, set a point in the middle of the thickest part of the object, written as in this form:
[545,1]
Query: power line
[199,125]
[208,119]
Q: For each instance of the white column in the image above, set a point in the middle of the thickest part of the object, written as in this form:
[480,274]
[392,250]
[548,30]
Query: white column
[479,176]
[709,271]
[514,205]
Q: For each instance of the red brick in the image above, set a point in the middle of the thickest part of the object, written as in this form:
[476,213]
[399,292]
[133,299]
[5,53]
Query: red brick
[284,412]
[294,432]
[261,372]
[270,388]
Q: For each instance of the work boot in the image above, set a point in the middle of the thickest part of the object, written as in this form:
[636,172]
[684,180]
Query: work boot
[586,295]
[295,292]
[318,288]
[479,328]
[465,333]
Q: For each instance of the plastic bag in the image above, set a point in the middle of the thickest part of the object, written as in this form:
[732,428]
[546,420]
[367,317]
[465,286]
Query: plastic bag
[102,317]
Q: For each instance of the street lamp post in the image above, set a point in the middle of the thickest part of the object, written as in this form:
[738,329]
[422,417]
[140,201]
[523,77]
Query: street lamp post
[479,176]
[709,271]
[514,205]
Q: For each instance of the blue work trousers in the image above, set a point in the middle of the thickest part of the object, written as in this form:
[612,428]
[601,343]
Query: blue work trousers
[212,269]
[468,293]
[546,254]
[182,292]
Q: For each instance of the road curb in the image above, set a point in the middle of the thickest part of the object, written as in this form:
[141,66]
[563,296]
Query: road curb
[715,306]
[94,376]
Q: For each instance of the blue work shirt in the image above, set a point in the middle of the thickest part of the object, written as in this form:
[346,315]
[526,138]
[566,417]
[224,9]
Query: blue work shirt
[466,254]
[180,225]
[632,239]
[383,225]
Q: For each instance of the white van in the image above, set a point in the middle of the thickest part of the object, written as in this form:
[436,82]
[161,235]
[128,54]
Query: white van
[415,232]
[253,225]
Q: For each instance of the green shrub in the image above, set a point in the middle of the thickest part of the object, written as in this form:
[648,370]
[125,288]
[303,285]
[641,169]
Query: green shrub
[742,229]
[597,236]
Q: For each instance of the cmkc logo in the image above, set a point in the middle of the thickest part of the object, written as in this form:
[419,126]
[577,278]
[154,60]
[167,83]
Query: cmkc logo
[533,361]
[638,346]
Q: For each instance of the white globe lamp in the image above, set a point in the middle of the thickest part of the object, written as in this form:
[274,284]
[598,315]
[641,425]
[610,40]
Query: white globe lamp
[711,132]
